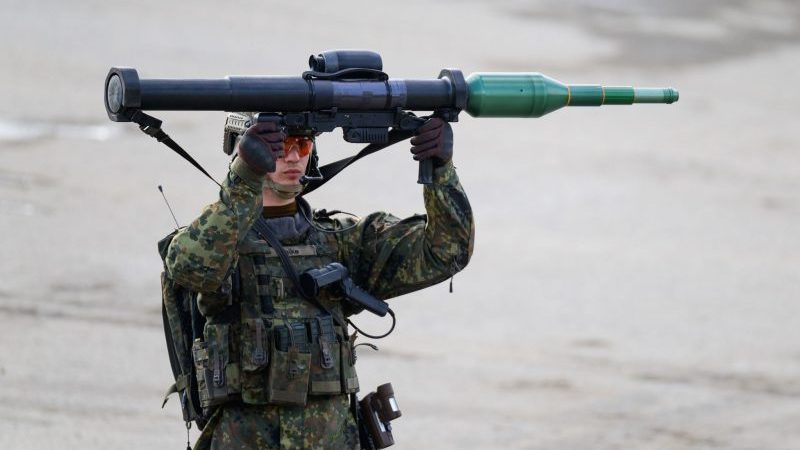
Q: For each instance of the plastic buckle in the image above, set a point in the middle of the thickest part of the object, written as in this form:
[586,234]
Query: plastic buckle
[278,286]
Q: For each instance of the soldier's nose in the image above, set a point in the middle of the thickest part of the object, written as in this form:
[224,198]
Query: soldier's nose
[293,153]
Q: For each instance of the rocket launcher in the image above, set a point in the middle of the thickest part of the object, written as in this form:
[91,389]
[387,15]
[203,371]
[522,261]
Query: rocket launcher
[348,89]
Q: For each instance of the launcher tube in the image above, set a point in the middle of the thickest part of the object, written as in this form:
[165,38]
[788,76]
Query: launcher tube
[482,95]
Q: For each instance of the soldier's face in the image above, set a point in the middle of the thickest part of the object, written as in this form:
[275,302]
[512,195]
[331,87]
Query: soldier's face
[290,168]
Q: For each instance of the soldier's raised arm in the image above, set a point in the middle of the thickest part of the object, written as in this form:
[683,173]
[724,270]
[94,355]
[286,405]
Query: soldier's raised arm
[390,257]
[202,255]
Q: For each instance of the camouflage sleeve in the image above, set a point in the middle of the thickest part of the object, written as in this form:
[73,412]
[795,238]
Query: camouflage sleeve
[201,255]
[390,257]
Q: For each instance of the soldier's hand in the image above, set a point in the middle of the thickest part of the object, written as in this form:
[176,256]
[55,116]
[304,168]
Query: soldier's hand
[260,146]
[433,140]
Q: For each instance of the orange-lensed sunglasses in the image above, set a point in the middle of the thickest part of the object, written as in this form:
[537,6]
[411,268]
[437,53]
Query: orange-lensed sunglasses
[302,144]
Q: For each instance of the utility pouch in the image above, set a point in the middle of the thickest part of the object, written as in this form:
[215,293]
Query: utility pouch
[255,356]
[325,358]
[289,369]
[255,344]
[376,410]
[348,362]
[216,378]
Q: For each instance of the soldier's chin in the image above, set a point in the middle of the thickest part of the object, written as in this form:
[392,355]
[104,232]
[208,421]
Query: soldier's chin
[291,179]
[283,179]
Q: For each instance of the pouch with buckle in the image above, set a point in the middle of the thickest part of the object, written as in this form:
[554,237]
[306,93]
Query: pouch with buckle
[255,357]
[326,376]
[289,369]
[216,378]
[348,362]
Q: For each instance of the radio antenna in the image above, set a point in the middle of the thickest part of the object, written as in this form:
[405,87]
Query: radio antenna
[160,189]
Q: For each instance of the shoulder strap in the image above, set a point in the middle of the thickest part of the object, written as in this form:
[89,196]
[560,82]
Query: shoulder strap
[152,127]
[329,171]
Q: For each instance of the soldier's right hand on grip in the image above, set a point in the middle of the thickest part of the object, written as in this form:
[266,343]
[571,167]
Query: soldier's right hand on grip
[260,146]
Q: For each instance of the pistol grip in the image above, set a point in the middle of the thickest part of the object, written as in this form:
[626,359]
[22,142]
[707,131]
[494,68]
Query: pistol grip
[425,172]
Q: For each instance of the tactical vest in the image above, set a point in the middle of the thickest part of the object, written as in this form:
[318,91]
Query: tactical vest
[268,345]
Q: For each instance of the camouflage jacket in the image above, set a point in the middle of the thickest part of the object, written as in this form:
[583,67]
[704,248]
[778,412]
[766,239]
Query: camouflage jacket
[385,255]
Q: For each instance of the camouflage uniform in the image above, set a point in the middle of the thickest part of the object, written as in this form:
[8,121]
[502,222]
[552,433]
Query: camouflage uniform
[385,255]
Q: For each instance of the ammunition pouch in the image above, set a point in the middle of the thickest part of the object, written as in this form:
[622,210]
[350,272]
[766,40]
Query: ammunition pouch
[279,361]
[217,377]
[326,378]
[348,364]
[290,370]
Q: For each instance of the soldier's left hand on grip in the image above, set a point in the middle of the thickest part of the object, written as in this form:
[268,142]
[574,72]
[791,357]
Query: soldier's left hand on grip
[434,141]
[261,145]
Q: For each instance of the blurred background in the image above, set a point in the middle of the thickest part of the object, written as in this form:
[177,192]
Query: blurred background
[635,277]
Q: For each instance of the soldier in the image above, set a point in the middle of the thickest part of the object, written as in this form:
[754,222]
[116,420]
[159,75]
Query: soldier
[275,370]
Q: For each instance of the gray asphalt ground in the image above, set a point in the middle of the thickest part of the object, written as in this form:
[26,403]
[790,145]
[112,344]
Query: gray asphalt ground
[635,279]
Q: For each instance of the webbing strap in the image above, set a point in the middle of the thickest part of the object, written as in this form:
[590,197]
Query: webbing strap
[329,171]
[152,127]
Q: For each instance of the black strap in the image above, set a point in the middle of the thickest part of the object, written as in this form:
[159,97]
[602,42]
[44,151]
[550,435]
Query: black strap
[331,170]
[263,229]
[351,74]
[152,127]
